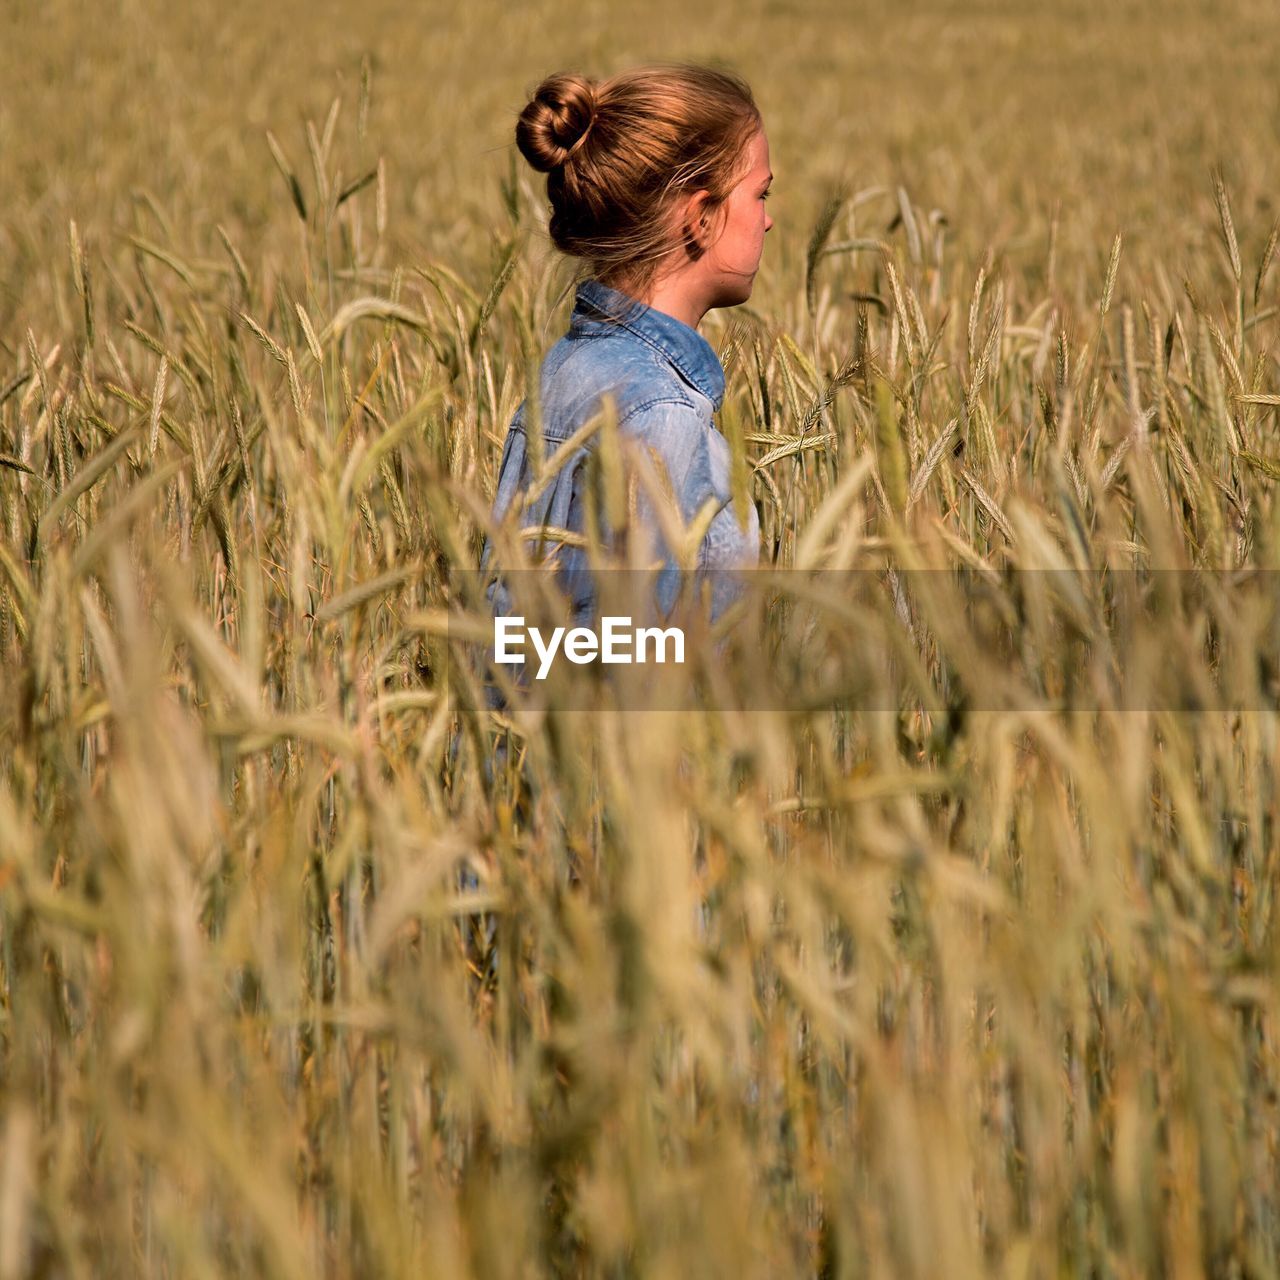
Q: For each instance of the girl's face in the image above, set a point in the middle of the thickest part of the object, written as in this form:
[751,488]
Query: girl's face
[733,257]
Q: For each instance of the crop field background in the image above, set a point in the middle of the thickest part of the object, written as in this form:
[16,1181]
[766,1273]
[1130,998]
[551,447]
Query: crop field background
[974,975]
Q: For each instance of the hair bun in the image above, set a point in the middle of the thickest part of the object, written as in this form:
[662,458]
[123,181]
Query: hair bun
[557,120]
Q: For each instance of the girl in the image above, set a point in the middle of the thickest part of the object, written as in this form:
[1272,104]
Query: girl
[657,180]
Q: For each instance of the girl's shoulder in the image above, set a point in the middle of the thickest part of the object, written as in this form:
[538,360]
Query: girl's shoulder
[579,372]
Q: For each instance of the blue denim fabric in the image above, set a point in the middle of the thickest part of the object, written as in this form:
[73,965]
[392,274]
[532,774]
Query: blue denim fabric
[666,381]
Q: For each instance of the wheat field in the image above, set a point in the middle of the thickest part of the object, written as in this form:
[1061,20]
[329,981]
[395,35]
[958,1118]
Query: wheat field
[970,971]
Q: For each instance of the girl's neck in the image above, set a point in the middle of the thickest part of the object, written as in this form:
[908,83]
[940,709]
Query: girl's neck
[674,295]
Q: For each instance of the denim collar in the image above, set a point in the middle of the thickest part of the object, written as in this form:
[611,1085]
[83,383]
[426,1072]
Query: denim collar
[691,354]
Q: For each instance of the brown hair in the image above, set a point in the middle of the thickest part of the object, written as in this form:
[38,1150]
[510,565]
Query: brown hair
[618,153]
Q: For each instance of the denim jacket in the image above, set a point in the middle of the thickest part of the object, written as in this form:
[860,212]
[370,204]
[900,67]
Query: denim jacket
[666,381]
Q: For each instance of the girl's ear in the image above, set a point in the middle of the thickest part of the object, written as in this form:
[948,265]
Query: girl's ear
[698,222]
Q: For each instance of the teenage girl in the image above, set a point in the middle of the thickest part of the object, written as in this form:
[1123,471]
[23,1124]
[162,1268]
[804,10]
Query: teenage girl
[657,180]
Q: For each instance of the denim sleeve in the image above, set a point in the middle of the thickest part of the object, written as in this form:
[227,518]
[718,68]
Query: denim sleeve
[678,436]
[696,457]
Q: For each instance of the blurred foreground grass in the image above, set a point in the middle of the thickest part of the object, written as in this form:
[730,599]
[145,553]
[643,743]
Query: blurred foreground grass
[941,990]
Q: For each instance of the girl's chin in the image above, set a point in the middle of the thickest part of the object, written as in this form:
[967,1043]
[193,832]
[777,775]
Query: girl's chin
[735,290]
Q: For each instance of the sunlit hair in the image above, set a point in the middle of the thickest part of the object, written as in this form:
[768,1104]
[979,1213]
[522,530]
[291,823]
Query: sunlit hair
[619,153]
